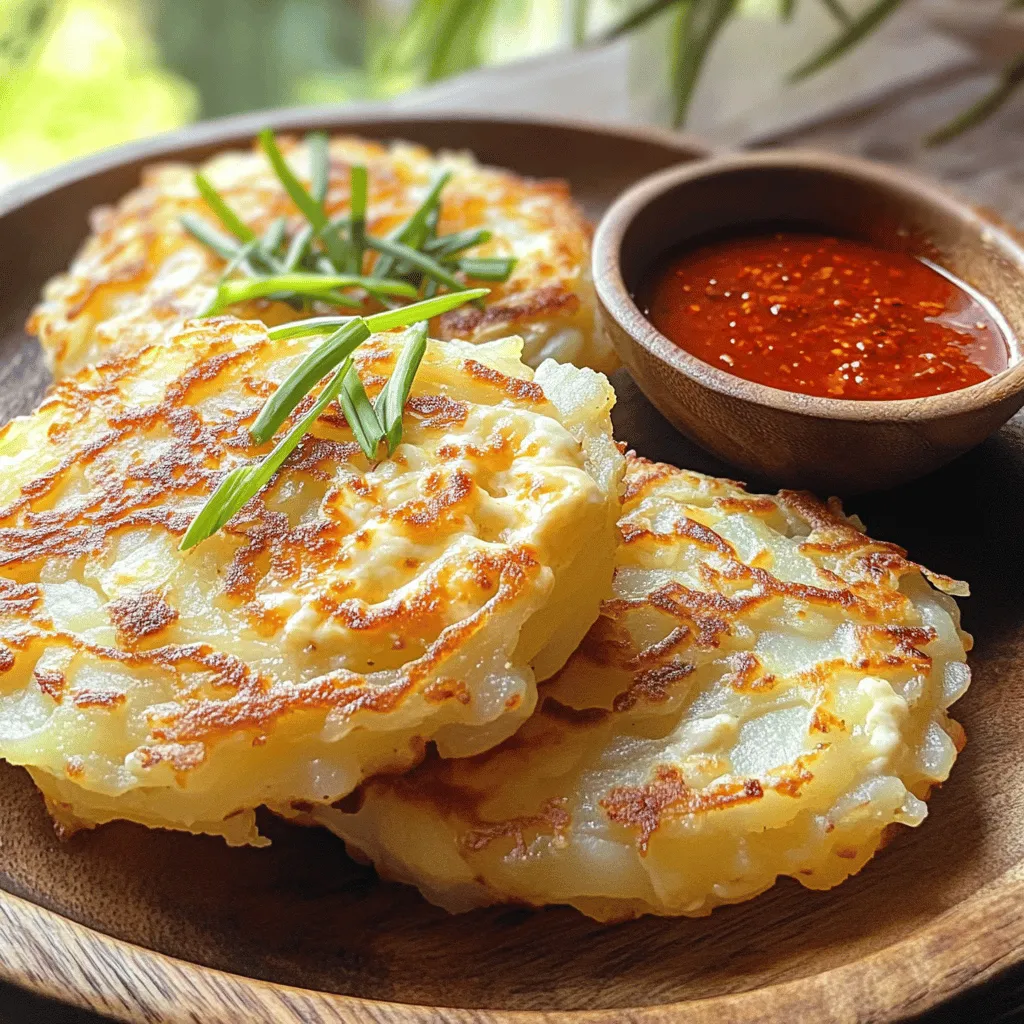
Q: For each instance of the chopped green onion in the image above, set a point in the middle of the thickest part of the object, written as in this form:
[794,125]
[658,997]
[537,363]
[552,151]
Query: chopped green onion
[317,286]
[342,343]
[311,209]
[399,251]
[224,213]
[391,401]
[274,236]
[319,165]
[427,309]
[226,248]
[490,268]
[357,229]
[298,248]
[414,231]
[245,482]
[360,414]
[448,245]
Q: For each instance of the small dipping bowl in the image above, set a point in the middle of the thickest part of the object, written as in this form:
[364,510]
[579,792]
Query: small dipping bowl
[827,444]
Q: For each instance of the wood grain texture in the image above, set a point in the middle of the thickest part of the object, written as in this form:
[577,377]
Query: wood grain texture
[804,440]
[157,926]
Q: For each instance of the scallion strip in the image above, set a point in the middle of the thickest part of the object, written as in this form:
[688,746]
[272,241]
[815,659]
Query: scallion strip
[317,286]
[311,209]
[413,232]
[426,309]
[226,248]
[487,268]
[448,245]
[430,267]
[298,248]
[357,227]
[224,213]
[242,484]
[274,236]
[391,401]
[319,166]
[361,416]
[342,343]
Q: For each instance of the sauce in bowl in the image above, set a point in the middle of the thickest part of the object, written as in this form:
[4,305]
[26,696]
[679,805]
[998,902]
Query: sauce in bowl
[827,316]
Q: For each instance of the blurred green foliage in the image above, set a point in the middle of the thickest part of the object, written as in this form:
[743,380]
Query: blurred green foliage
[79,75]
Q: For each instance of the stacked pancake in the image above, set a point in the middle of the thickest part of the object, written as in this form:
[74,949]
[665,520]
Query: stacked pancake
[505,662]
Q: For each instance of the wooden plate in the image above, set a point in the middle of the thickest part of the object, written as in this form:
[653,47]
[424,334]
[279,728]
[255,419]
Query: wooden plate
[142,925]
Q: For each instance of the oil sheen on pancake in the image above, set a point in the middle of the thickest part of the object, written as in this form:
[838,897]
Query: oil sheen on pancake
[346,616]
[140,275]
[764,695]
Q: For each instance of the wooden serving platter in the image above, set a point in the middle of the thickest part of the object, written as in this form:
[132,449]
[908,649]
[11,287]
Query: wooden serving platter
[161,926]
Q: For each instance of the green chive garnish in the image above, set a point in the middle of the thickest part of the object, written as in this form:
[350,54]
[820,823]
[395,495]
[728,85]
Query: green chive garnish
[311,209]
[401,317]
[405,253]
[359,412]
[298,248]
[448,245]
[391,401]
[341,344]
[414,231]
[226,248]
[224,213]
[317,286]
[489,268]
[357,228]
[319,165]
[243,483]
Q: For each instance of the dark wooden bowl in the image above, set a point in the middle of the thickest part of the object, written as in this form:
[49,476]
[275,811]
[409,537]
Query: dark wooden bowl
[826,444]
[158,926]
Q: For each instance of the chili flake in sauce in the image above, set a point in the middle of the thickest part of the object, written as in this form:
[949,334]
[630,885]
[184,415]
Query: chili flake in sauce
[826,316]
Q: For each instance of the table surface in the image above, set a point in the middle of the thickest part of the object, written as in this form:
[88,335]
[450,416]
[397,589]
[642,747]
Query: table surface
[987,166]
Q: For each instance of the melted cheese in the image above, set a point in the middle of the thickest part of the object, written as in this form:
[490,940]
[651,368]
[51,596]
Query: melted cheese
[342,619]
[764,695]
[140,275]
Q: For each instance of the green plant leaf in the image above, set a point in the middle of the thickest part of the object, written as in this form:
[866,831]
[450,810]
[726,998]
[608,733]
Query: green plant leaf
[855,31]
[1010,80]
[697,26]
[643,14]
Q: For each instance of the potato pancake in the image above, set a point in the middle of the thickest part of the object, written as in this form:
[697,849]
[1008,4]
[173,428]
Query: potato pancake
[347,615]
[764,695]
[140,274]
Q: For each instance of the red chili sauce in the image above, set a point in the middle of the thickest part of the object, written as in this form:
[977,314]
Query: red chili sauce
[826,316]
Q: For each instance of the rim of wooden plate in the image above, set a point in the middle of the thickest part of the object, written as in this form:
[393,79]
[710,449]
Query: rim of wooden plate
[55,957]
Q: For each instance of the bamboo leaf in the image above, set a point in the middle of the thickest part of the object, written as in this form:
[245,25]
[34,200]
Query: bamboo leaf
[1010,80]
[643,14]
[854,32]
[697,26]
